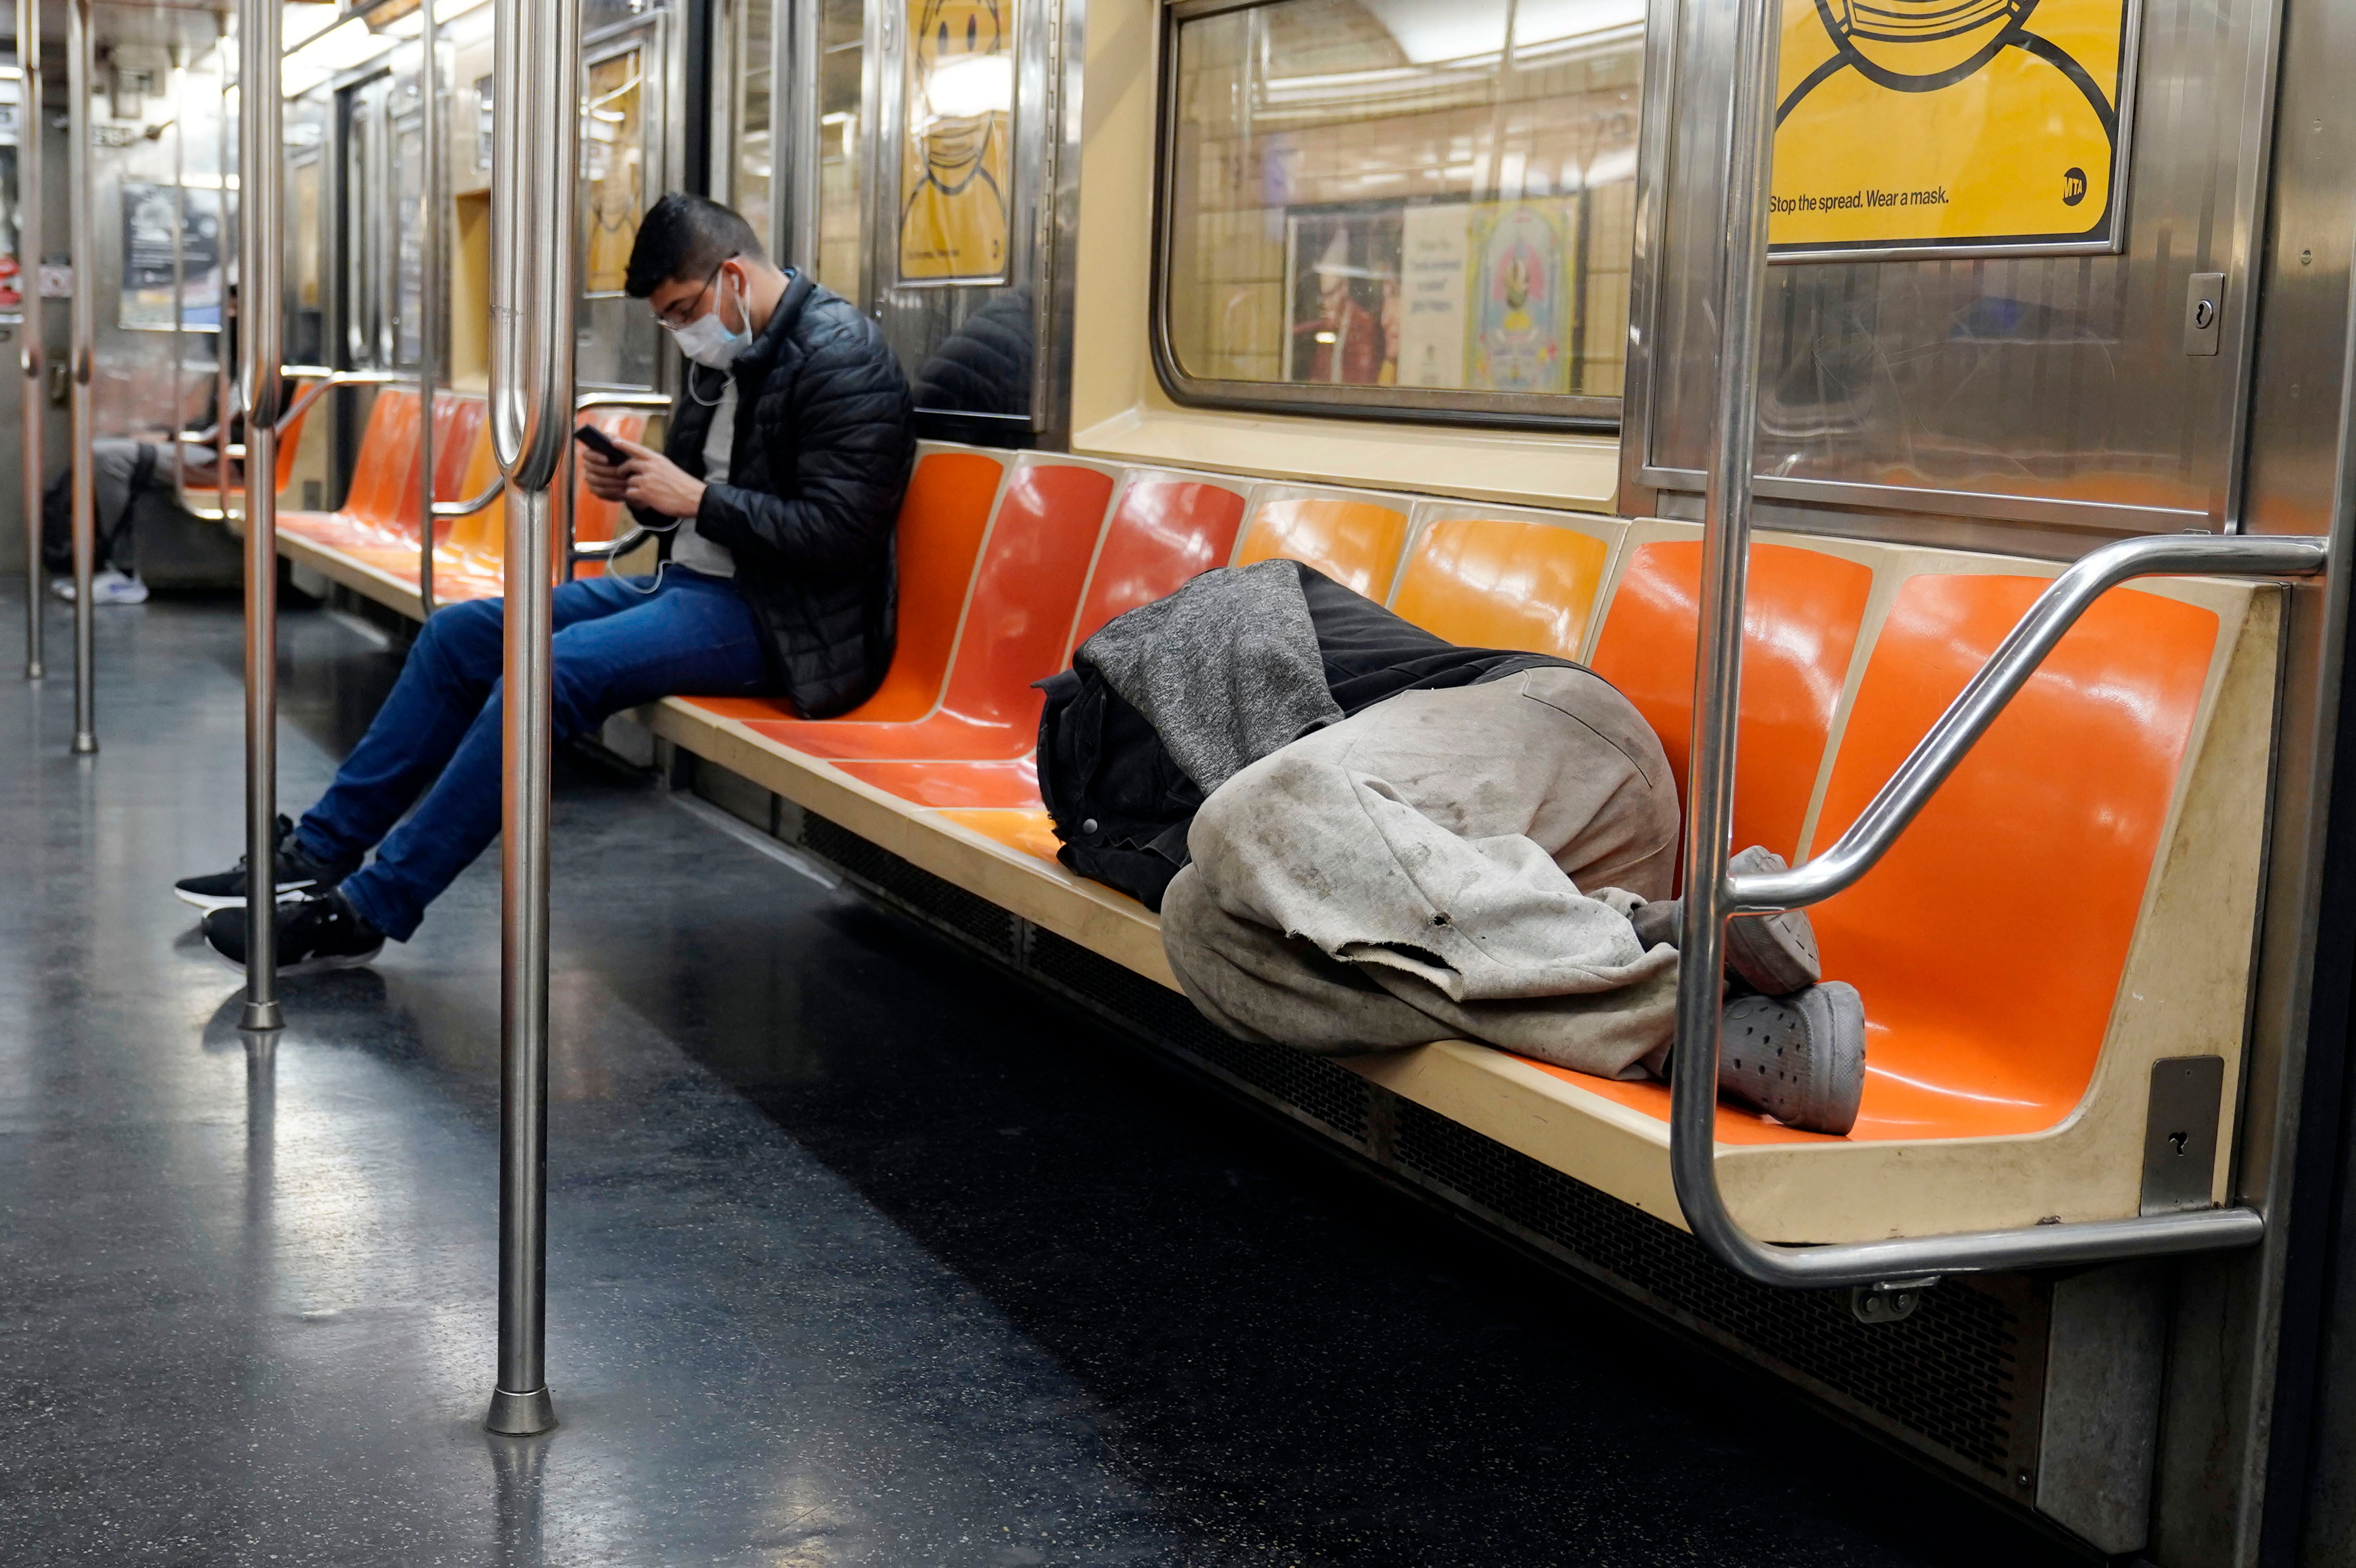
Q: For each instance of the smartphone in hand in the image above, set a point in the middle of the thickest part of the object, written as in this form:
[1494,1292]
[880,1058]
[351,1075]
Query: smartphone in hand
[598,442]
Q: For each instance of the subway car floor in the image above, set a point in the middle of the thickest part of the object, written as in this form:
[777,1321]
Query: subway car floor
[860,1252]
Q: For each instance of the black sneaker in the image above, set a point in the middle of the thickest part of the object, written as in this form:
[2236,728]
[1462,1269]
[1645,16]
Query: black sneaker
[297,873]
[315,931]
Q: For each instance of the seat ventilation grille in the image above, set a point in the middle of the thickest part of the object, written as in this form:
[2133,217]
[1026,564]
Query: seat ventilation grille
[1959,1378]
[1311,1086]
[914,888]
[1951,1372]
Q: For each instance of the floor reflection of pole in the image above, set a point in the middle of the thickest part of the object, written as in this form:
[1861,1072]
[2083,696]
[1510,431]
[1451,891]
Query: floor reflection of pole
[517,1464]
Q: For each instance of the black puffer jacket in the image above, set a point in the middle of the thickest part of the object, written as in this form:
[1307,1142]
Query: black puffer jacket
[823,446]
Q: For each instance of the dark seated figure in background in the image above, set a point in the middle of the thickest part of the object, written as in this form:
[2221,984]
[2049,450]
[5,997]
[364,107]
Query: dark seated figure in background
[1362,838]
[985,366]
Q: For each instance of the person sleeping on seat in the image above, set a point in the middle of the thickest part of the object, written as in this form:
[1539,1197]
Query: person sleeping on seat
[1362,838]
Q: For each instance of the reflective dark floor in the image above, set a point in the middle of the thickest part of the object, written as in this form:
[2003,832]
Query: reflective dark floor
[860,1252]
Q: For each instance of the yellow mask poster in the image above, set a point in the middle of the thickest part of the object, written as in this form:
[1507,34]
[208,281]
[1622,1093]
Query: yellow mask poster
[957,158]
[1949,125]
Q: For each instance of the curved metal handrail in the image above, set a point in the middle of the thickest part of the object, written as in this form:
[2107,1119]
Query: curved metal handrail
[1711,895]
[473,504]
[320,381]
[327,381]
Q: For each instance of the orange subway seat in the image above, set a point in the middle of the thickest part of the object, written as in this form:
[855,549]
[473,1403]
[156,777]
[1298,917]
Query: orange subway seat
[1495,582]
[470,560]
[1025,594]
[1014,783]
[1988,987]
[1032,831]
[1356,543]
[459,429]
[942,520]
[1800,626]
[1164,529]
[386,470]
[1989,941]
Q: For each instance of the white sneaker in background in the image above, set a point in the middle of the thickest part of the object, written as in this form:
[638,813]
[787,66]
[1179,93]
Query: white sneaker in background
[107,587]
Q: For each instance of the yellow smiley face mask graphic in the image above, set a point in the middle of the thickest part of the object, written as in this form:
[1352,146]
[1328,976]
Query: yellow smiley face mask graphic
[1918,123]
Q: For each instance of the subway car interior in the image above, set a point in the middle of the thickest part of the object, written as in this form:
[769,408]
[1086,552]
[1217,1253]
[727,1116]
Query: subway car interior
[1205,782]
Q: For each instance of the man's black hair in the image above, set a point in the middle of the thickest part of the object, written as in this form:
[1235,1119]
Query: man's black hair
[687,238]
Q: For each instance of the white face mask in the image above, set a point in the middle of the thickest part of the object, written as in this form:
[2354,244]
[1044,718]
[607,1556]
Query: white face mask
[708,340]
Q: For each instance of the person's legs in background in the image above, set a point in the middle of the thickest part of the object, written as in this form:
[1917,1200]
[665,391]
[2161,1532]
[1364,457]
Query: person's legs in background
[118,470]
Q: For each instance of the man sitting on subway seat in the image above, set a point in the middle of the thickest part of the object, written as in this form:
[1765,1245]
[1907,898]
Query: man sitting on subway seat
[777,492]
[1362,838]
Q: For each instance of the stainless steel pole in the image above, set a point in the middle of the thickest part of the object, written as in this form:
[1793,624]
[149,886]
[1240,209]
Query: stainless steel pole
[534,281]
[34,357]
[85,337]
[260,138]
[179,421]
[429,293]
[224,359]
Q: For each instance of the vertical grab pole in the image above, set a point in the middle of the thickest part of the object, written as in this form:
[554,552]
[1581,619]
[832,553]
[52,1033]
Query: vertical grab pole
[85,335]
[33,359]
[1726,555]
[535,268]
[224,360]
[260,138]
[429,293]
[180,423]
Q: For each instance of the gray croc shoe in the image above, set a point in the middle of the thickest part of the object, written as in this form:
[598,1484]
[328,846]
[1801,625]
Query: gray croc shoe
[1799,1058]
[1774,954]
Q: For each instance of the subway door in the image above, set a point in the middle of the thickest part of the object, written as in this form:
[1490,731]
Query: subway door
[913,165]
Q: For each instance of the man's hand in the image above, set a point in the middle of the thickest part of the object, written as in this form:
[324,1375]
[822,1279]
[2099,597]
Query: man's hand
[653,481]
[606,481]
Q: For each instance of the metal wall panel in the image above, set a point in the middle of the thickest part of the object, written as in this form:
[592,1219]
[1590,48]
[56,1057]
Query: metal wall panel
[2050,391]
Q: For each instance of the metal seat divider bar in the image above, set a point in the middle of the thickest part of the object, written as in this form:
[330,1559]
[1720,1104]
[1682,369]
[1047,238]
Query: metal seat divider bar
[607,549]
[85,335]
[224,357]
[1712,896]
[260,127]
[535,269]
[31,360]
[319,381]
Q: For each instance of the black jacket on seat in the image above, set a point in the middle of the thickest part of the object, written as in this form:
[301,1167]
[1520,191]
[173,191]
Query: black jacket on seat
[823,447]
[1120,803]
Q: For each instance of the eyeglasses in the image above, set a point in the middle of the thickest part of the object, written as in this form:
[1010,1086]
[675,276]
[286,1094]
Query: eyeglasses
[671,315]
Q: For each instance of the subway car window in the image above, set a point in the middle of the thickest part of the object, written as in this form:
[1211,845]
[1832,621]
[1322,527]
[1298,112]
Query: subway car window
[1418,205]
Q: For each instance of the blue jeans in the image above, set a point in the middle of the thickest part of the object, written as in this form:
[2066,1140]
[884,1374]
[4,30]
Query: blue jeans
[617,646]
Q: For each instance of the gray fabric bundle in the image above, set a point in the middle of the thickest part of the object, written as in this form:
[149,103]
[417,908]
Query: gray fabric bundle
[1226,669]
